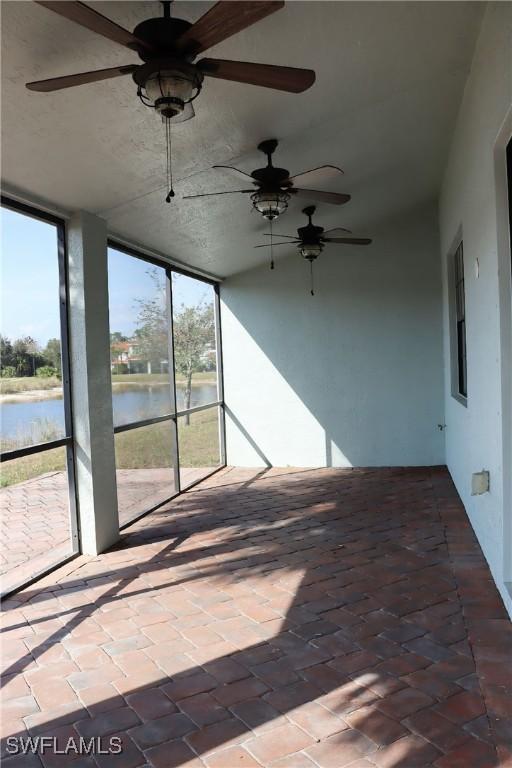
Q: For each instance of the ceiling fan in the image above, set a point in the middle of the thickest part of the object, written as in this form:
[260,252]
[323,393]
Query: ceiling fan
[169,79]
[168,47]
[275,186]
[311,239]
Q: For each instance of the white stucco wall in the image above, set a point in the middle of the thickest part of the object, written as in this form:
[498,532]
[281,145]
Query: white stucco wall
[91,383]
[351,376]
[472,201]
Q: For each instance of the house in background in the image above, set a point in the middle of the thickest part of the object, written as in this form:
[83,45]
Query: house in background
[127,358]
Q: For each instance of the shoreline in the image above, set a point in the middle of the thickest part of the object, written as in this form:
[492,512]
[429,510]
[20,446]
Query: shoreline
[55,393]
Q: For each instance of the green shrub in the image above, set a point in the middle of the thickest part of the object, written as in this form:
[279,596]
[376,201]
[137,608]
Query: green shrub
[8,372]
[46,371]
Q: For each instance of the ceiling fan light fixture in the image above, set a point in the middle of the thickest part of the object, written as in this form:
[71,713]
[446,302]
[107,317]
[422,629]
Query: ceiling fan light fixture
[169,89]
[169,93]
[270,204]
[310,251]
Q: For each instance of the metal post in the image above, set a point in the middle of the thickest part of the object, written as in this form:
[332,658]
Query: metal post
[172,379]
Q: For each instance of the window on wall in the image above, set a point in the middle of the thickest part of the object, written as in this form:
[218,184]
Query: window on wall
[166,390]
[39,517]
[460,387]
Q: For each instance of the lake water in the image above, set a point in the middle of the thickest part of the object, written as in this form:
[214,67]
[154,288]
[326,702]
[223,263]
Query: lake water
[44,418]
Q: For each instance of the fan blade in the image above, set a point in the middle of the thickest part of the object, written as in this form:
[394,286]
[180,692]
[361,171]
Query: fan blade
[348,240]
[87,17]
[236,171]
[338,232]
[320,175]
[276,234]
[267,245]
[288,79]
[336,198]
[223,20]
[68,81]
[229,192]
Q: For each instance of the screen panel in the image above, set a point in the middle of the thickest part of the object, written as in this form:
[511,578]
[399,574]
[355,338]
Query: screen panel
[144,468]
[195,347]
[139,339]
[199,444]
[37,488]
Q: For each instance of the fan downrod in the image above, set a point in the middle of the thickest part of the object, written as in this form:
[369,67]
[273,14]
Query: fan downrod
[268,147]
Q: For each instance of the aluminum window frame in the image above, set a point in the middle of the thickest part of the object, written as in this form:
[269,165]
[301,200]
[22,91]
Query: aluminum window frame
[460,316]
[456,286]
[173,417]
[68,441]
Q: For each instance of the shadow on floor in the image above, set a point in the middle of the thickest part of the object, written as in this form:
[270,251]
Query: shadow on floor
[293,616]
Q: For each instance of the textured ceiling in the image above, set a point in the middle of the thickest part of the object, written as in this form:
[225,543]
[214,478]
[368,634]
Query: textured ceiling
[390,78]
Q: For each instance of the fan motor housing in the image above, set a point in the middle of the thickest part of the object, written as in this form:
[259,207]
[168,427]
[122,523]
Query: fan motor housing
[161,34]
[310,234]
[270,177]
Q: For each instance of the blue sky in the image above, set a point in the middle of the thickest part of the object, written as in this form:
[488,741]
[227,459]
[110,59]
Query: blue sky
[30,282]
[129,279]
[30,278]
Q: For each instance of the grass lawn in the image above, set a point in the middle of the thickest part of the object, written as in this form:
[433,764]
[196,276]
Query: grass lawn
[199,441]
[151,446]
[146,447]
[204,377]
[28,467]
[28,384]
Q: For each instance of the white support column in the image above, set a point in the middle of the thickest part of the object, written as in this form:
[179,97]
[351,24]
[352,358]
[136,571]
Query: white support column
[91,382]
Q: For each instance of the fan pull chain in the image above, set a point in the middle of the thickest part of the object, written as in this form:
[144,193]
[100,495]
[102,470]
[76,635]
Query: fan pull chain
[311,276]
[168,145]
[271,246]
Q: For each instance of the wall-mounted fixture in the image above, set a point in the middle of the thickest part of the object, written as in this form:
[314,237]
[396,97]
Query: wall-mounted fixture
[480,482]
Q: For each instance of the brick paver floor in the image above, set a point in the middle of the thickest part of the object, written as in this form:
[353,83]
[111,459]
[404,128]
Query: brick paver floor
[34,527]
[280,618]
[34,516]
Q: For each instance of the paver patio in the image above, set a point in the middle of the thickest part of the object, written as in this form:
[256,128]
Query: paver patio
[280,618]
[35,525]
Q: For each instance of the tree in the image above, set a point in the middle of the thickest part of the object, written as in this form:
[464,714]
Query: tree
[6,353]
[116,337]
[194,336]
[21,358]
[152,332]
[52,354]
[27,356]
